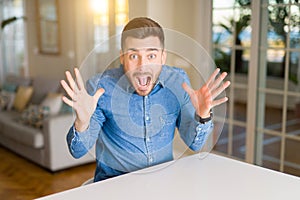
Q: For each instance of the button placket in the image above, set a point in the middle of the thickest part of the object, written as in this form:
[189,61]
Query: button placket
[147,122]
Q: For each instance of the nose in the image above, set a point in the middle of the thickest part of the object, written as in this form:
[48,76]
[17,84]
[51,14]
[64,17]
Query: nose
[143,61]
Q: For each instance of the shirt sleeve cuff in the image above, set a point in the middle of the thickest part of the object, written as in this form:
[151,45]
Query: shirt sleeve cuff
[202,133]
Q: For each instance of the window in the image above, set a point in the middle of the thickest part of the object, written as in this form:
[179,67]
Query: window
[12,38]
[109,20]
[257,42]
[231,51]
[278,124]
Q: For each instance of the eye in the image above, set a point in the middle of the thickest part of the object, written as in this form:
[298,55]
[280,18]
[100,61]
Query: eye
[133,56]
[152,56]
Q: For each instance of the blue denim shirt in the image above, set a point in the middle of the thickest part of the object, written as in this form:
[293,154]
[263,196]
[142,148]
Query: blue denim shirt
[132,131]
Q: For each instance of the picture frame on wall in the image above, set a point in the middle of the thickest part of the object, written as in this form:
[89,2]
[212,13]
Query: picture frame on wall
[48,26]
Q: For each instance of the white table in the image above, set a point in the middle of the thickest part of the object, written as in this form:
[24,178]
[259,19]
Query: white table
[212,177]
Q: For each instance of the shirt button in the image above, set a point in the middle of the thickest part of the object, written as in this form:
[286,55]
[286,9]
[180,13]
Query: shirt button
[147,118]
[148,139]
[150,160]
[198,129]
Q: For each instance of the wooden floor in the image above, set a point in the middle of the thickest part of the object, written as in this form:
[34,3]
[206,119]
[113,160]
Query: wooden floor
[22,179]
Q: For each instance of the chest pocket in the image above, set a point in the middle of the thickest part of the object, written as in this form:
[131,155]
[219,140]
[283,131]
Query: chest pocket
[167,123]
[162,124]
[168,119]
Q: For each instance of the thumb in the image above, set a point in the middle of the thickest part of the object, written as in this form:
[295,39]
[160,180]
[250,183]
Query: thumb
[99,93]
[187,88]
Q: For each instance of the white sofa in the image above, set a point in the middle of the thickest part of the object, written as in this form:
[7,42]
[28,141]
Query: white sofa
[44,146]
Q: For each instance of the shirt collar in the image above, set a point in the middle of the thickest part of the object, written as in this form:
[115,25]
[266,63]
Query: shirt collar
[162,77]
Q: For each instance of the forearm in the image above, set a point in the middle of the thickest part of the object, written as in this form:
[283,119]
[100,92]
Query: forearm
[192,132]
[80,143]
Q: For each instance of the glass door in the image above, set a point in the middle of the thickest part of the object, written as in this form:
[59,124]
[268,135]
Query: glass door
[258,43]
[231,52]
[278,121]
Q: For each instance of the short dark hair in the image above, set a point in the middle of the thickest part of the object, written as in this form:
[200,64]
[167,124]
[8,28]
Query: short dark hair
[142,27]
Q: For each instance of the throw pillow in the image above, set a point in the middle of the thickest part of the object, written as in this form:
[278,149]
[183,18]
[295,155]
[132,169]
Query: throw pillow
[6,100]
[22,97]
[11,98]
[9,87]
[34,116]
[2,102]
[53,102]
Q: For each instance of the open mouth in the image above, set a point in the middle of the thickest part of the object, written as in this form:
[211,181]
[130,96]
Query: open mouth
[143,81]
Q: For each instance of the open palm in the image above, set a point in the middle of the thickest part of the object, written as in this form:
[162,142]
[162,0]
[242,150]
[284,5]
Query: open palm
[204,99]
[83,103]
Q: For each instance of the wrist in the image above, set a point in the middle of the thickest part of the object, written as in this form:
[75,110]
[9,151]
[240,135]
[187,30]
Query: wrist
[80,126]
[202,115]
[204,118]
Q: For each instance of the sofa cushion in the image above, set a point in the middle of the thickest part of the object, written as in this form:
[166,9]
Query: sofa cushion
[42,86]
[53,102]
[6,100]
[34,116]
[11,128]
[22,97]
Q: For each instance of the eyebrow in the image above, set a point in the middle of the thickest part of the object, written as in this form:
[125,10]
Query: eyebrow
[147,49]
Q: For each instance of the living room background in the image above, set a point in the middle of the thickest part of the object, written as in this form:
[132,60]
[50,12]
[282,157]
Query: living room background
[193,19]
[76,30]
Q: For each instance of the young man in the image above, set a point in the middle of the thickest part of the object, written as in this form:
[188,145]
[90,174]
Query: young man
[131,112]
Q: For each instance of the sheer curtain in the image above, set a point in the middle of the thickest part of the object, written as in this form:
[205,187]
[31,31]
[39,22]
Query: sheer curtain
[12,38]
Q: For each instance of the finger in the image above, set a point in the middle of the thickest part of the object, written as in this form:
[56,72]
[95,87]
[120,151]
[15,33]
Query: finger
[219,101]
[99,93]
[220,89]
[188,89]
[79,80]
[220,78]
[71,81]
[218,81]
[68,101]
[67,88]
[213,77]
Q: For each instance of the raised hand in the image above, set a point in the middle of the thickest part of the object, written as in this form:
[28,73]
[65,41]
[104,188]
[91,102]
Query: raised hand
[83,104]
[204,99]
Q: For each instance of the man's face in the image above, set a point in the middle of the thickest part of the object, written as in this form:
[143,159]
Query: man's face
[142,60]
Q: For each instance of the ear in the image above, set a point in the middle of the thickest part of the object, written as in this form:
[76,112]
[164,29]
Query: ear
[164,57]
[121,57]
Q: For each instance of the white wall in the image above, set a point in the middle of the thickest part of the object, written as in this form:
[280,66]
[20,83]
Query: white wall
[50,65]
[75,34]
